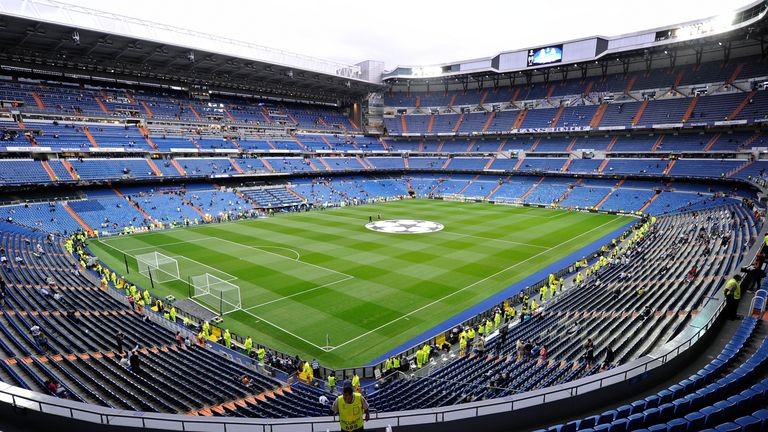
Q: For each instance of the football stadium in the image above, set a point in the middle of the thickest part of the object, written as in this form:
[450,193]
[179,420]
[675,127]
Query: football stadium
[199,233]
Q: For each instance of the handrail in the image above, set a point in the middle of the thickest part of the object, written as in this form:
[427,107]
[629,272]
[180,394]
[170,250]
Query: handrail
[21,398]
[763,294]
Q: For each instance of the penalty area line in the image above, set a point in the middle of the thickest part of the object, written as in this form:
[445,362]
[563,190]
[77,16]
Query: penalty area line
[285,331]
[308,290]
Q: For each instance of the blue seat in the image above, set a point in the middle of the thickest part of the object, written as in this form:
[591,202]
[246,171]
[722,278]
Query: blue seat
[619,425]
[712,415]
[637,406]
[666,411]
[588,422]
[725,405]
[623,411]
[728,427]
[664,396]
[652,401]
[676,390]
[568,427]
[606,417]
[695,420]
[602,428]
[635,420]
[662,427]
[763,416]
[739,402]
[749,423]
[651,416]
[677,425]
[682,406]
[753,398]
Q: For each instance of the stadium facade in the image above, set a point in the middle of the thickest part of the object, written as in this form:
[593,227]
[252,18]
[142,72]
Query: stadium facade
[106,132]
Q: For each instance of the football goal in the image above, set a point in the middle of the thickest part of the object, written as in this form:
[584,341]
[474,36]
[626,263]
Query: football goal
[159,267]
[216,293]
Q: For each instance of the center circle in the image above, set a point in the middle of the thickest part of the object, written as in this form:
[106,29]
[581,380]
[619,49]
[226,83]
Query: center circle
[405,226]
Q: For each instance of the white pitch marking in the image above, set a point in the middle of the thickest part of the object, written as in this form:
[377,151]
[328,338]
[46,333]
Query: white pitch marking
[496,240]
[300,293]
[470,286]
[284,330]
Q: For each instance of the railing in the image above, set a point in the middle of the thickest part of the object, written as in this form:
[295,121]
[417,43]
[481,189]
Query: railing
[24,399]
[758,301]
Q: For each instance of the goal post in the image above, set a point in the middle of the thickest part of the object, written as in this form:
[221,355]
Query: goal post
[217,293]
[157,266]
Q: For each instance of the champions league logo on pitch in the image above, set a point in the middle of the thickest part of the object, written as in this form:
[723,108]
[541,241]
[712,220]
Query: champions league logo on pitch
[405,226]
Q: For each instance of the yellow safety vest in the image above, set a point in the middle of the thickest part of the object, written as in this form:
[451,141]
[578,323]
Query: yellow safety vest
[351,415]
[736,288]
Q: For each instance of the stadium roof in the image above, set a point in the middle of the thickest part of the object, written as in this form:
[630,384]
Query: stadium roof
[736,30]
[51,37]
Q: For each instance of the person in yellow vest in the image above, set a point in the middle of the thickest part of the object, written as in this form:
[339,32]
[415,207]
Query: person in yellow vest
[261,353]
[248,344]
[551,277]
[497,319]
[732,291]
[420,358]
[207,329]
[227,338]
[146,297]
[201,338]
[356,381]
[462,346]
[331,383]
[553,290]
[387,365]
[140,305]
[511,312]
[481,329]
[307,371]
[396,363]
[534,306]
[350,407]
[103,283]
[488,326]
[543,292]
[172,314]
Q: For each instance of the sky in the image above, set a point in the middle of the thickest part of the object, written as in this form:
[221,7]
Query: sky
[412,32]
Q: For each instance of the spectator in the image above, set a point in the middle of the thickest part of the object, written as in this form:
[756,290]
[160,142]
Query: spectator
[56,389]
[646,313]
[609,357]
[124,360]
[350,407]
[135,362]
[589,351]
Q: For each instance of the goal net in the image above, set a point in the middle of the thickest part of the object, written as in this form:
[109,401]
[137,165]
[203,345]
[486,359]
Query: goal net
[159,267]
[217,293]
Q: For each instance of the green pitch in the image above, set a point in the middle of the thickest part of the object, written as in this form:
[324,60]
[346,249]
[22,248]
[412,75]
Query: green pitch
[322,285]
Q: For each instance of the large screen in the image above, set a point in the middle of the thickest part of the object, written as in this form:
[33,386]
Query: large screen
[546,55]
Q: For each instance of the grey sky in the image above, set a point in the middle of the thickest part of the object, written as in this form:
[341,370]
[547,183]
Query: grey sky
[412,32]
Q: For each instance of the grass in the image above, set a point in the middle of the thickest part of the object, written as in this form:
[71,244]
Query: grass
[306,276]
